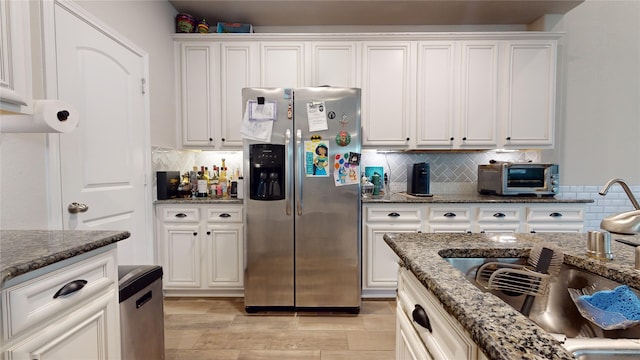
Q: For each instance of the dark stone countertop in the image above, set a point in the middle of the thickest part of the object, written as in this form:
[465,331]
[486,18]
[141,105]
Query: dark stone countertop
[471,198]
[22,251]
[199,201]
[500,331]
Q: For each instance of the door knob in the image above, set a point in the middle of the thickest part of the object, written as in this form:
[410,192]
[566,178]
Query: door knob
[75,208]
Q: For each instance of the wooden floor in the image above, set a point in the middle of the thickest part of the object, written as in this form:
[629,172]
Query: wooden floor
[219,328]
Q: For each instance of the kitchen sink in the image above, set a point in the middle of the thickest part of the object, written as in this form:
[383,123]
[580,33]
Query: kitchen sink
[555,312]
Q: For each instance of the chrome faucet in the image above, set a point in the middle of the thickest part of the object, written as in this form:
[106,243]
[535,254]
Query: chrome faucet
[626,222]
[605,189]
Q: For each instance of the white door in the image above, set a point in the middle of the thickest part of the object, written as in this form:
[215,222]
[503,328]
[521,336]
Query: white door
[102,162]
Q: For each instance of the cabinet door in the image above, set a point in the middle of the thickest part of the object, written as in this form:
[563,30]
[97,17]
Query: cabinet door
[91,332]
[282,65]
[530,93]
[334,64]
[387,90]
[436,93]
[239,68]
[479,94]
[181,255]
[380,263]
[199,98]
[224,252]
[15,57]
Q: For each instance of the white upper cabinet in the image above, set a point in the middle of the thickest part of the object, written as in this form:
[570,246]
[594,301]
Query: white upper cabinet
[282,64]
[239,68]
[453,91]
[478,92]
[15,57]
[387,90]
[199,98]
[436,93]
[529,99]
[334,64]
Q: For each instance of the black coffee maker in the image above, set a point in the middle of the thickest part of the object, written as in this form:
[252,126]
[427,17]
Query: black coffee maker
[418,179]
[266,163]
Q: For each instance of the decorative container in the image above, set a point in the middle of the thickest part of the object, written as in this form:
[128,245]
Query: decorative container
[185,23]
[203,27]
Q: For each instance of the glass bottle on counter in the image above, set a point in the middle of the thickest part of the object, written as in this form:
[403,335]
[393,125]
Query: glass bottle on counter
[203,189]
[214,182]
[223,180]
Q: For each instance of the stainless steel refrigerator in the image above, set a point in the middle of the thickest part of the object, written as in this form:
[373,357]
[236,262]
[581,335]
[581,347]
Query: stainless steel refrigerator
[302,198]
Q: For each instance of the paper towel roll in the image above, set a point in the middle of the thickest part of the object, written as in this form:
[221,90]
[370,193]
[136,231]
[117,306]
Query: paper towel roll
[49,116]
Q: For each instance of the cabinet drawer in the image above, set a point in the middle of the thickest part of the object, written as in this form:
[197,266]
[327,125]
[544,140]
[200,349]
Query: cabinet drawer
[394,214]
[449,214]
[500,214]
[554,214]
[446,339]
[189,214]
[34,302]
[225,214]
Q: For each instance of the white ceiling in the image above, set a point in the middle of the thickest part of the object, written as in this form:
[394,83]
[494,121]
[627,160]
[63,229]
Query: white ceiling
[373,12]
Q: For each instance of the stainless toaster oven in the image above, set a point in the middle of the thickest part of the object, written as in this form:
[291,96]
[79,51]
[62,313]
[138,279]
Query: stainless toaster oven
[507,178]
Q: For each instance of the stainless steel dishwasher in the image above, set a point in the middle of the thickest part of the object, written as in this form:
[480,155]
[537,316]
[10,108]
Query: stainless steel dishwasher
[141,312]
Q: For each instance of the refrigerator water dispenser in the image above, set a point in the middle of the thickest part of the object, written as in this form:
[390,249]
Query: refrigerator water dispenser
[266,162]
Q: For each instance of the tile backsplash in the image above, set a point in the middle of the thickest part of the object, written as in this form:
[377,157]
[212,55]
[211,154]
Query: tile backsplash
[451,172]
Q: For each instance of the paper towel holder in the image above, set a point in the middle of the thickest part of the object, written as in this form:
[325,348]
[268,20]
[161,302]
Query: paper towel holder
[49,116]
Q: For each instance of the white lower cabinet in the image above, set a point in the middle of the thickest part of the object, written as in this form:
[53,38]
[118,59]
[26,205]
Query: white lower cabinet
[38,324]
[200,248]
[425,329]
[380,263]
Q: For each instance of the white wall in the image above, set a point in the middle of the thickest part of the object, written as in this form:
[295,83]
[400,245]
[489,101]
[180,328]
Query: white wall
[599,133]
[149,24]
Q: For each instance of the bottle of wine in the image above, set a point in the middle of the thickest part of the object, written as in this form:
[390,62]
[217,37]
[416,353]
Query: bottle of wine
[223,179]
[203,190]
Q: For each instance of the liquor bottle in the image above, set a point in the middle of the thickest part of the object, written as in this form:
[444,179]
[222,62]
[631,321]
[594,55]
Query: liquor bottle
[214,182]
[203,190]
[223,180]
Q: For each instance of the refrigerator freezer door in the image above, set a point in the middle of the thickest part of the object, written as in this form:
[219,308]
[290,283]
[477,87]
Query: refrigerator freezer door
[269,224]
[327,225]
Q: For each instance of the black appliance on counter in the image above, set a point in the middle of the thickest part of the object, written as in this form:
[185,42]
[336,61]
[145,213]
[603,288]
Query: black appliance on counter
[418,179]
[167,183]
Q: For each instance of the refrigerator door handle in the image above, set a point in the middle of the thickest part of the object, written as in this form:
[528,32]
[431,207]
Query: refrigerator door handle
[287,144]
[299,171]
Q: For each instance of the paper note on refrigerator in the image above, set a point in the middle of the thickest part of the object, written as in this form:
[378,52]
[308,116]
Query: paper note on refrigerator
[259,130]
[317,116]
[345,172]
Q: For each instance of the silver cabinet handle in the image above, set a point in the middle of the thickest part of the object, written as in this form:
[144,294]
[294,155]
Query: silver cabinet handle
[75,208]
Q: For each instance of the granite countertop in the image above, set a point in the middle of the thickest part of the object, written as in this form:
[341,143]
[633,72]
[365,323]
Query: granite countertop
[402,197]
[198,201]
[22,251]
[501,331]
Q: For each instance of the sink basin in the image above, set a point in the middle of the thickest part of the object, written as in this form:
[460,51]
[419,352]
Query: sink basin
[555,312]
[594,349]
